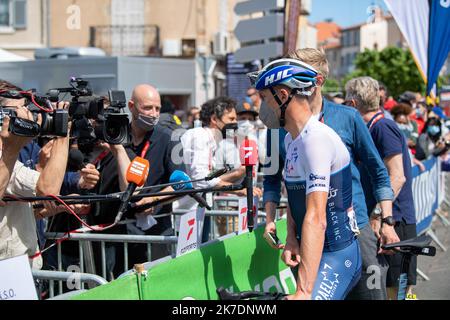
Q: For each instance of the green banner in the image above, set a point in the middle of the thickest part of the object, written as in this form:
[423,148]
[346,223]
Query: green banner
[238,263]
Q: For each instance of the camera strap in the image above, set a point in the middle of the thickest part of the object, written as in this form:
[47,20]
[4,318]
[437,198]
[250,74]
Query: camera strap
[23,127]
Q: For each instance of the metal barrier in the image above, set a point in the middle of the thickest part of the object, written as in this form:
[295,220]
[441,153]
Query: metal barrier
[86,255]
[66,276]
[84,238]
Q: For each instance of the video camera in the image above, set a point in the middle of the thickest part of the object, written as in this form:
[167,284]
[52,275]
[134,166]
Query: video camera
[90,120]
[54,122]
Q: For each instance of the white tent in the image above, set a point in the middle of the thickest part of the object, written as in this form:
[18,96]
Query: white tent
[6,56]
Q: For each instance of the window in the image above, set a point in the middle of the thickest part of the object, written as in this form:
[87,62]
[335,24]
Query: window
[5,13]
[13,14]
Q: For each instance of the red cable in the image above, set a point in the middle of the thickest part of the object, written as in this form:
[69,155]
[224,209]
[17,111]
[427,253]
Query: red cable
[101,227]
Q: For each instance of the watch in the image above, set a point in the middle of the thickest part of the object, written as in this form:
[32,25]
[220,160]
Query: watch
[389,220]
[376,213]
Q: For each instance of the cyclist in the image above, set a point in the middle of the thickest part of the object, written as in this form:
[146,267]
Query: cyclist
[321,245]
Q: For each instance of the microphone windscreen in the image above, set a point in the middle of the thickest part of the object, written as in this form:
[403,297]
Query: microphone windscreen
[138,171]
[180,176]
[248,153]
[75,159]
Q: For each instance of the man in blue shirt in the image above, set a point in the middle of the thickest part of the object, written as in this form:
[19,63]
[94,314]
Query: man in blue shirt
[348,124]
[362,92]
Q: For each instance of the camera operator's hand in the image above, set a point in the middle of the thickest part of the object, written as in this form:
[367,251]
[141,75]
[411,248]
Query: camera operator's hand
[63,105]
[89,176]
[44,155]
[11,140]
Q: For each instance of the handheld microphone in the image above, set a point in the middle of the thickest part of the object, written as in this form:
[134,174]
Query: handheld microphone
[75,160]
[182,177]
[136,177]
[249,158]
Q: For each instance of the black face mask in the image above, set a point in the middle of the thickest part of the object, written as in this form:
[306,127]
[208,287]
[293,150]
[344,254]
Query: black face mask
[228,126]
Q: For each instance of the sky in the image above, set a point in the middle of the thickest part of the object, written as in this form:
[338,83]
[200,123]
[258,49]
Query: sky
[344,12]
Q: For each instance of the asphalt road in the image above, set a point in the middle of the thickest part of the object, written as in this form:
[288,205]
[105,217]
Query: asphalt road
[437,268]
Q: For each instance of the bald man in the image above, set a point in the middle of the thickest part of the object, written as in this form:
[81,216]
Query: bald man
[152,142]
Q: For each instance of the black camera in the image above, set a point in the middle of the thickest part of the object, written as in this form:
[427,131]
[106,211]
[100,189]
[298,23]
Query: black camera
[114,125]
[91,121]
[54,123]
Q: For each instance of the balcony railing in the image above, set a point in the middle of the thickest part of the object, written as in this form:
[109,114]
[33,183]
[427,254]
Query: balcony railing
[140,40]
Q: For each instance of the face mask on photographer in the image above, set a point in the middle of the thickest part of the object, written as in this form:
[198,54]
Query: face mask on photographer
[146,123]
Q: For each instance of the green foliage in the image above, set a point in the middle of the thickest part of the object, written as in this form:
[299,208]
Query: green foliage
[393,66]
[331,85]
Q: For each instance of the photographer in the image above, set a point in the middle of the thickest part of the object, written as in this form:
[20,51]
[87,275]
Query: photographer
[17,221]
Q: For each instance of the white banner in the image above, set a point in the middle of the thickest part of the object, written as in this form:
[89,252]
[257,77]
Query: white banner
[16,280]
[412,17]
[188,237]
[243,226]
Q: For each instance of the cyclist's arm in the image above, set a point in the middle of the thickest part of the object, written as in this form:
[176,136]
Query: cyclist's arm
[320,153]
[291,227]
[311,246]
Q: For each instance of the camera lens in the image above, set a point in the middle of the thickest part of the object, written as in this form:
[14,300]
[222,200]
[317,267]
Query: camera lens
[115,130]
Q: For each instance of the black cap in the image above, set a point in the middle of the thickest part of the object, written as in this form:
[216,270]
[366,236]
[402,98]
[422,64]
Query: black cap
[246,106]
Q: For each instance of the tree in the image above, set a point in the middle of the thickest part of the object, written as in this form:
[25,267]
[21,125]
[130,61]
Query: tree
[331,85]
[393,66]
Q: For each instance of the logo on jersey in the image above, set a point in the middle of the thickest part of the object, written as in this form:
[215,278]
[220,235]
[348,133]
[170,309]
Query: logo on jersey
[295,154]
[333,193]
[313,177]
[289,167]
[328,285]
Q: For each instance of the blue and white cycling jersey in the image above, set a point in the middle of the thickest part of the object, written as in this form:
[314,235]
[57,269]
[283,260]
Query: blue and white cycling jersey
[317,160]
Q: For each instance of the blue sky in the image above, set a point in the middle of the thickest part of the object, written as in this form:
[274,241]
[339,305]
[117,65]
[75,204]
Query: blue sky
[344,12]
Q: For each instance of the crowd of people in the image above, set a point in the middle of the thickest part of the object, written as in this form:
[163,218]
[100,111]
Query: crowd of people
[343,161]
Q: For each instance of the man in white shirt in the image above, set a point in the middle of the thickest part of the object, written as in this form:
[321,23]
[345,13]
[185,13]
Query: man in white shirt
[17,221]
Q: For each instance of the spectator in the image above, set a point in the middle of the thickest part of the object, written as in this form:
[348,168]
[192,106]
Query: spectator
[193,117]
[350,127]
[337,98]
[392,147]
[201,145]
[167,117]
[420,116]
[255,98]
[428,141]
[444,206]
[401,113]
[384,94]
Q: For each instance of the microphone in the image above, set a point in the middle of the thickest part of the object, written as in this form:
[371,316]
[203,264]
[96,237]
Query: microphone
[249,158]
[182,177]
[76,160]
[218,173]
[136,177]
